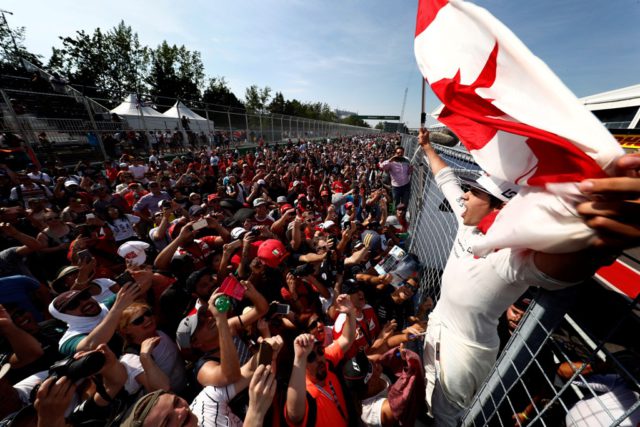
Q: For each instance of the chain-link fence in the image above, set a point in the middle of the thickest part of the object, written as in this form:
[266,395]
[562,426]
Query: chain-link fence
[573,359]
[57,121]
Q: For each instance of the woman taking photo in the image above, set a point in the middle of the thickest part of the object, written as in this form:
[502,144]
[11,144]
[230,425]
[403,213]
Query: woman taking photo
[151,358]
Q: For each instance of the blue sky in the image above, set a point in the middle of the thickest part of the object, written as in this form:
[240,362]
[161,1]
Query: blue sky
[352,54]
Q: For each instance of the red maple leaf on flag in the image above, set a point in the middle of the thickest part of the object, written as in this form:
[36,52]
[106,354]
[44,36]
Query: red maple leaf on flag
[477,121]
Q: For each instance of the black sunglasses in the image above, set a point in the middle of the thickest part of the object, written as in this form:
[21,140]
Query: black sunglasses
[75,302]
[318,351]
[140,319]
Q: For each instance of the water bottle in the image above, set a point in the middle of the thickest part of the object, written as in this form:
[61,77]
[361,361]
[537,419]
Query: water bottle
[222,303]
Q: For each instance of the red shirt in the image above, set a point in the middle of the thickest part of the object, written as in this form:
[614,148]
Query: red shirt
[199,252]
[367,330]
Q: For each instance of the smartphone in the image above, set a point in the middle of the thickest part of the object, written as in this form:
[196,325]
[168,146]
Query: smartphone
[282,309]
[124,278]
[200,224]
[85,255]
[233,288]
[265,354]
[276,309]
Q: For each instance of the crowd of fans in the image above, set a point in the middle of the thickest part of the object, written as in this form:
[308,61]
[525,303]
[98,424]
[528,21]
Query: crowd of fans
[220,288]
[211,289]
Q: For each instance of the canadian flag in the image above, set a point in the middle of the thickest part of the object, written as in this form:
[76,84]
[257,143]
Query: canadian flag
[518,121]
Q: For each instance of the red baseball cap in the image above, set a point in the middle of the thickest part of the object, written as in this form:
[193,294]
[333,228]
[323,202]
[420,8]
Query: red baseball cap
[212,197]
[272,252]
[285,208]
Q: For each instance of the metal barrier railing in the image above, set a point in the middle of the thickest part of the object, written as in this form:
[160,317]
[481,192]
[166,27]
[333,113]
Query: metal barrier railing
[70,117]
[593,329]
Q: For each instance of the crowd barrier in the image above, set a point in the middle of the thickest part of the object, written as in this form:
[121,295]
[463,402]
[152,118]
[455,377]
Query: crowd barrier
[573,359]
[70,119]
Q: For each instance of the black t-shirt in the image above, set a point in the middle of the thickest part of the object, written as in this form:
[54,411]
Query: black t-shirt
[387,309]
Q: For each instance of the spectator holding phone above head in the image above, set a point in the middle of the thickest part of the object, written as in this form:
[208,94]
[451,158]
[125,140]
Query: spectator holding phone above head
[399,169]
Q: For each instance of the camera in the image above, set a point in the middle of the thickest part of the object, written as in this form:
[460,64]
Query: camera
[302,270]
[77,369]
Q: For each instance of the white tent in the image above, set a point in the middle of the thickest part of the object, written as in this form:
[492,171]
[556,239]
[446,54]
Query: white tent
[142,117]
[196,122]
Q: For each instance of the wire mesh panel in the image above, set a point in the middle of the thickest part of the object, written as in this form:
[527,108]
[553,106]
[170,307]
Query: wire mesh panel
[574,357]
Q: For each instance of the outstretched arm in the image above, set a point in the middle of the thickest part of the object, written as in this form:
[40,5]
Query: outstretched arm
[435,161]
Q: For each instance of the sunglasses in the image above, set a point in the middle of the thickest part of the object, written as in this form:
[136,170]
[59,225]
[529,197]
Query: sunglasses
[318,351]
[322,247]
[140,319]
[75,302]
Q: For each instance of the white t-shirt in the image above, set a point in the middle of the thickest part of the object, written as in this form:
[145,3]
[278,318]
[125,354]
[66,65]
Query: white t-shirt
[372,406]
[211,407]
[166,356]
[474,294]
[104,284]
[214,160]
[138,171]
[40,176]
[123,228]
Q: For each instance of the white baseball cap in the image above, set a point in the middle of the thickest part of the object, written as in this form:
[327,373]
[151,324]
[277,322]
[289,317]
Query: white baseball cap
[134,252]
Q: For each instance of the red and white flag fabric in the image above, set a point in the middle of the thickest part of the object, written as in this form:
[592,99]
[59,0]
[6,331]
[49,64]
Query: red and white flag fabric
[516,118]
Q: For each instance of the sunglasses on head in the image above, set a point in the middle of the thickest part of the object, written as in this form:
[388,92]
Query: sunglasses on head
[140,319]
[75,302]
[318,351]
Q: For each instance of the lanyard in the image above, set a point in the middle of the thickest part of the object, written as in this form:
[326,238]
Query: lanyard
[333,397]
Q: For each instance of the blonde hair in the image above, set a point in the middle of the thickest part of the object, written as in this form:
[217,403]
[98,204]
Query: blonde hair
[127,314]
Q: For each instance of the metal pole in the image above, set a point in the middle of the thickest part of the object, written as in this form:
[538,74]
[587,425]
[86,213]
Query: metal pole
[423,117]
[246,119]
[423,114]
[15,45]
[144,123]
[95,127]
[206,112]
[20,126]
[273,133]
[230,127]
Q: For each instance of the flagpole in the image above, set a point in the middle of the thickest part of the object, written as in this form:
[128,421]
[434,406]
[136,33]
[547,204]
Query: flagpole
[423,114]
[423,117]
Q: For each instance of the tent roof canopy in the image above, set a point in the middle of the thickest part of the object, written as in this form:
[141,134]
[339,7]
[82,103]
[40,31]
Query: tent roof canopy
[131,107]
[179,109]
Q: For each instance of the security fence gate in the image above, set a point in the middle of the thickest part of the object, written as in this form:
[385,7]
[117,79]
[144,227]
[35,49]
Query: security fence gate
[573,359]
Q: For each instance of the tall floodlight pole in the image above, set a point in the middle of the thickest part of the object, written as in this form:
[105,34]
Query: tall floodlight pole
[6,24]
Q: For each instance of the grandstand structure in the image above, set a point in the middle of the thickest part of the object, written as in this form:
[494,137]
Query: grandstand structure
[38,106]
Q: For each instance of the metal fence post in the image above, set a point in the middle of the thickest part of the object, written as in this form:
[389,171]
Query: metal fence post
[27,135]
[95,127]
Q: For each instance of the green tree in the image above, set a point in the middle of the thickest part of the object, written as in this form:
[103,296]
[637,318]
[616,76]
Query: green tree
[354,120]
[256,99]
[380,126]
[113,62]
[10,53]
[82,59]
[127,59]
[277,104]
[218,93]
